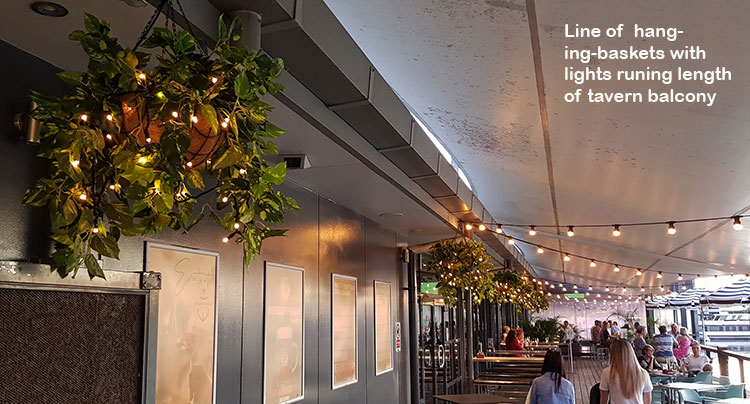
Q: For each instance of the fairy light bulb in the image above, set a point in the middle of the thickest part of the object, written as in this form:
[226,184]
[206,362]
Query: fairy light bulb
[566,257]
[84,117]
[551,286]
[142,76]
[549,294]
[571,232]
[468,226]
[511,241]
[141,160]
[606,288]
[659,275]
[194,118]
[590,287]
[109,136]
[175,114]
[532,231]
[224,199]
[616,230]
[112,187]
[225,240]
[546,283]
[109,117]
[242,171]
[617,268]
[148,140]
[598,295]
[539,250]
[624,290]
[737,225]
[95,230]
[214,80]
[499,229]
[592,264]
[82,197]
[575,287]
[482,227]
[75,163]
[236,225]
[684,287]
[671,229]
[679,277]
[643,289]
[661,288]
[639,272]
[189,164]
[224,125]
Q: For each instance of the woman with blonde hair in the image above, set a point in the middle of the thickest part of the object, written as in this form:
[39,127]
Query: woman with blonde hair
[624,381]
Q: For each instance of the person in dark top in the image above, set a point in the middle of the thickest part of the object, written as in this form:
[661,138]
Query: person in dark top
[648,361]
[604,335]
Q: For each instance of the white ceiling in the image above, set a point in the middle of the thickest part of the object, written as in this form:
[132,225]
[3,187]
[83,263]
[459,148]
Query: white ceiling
[467,68]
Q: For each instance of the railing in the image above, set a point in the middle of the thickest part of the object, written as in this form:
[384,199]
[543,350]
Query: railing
[723,356]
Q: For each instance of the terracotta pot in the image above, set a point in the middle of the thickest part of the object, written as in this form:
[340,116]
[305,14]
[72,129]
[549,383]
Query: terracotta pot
[136,122]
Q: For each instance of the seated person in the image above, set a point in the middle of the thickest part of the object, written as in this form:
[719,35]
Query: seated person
[648,361]
[696,361]
[511,342]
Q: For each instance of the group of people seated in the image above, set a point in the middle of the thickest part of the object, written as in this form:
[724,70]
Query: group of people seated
[673,350]
[514,339]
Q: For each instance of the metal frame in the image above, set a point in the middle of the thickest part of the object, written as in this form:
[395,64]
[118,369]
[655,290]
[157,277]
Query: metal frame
[30,276]
[265,341]
[152,320]
[356,333]
[390,322]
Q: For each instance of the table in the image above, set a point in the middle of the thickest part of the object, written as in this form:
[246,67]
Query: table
[733,401]
[472,399]
[510,359]
[673,388]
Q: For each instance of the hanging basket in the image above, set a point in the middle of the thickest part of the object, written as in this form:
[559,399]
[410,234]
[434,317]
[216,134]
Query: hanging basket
[135,121]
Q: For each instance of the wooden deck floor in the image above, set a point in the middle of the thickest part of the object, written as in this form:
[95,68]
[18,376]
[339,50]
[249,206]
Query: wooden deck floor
[586,373]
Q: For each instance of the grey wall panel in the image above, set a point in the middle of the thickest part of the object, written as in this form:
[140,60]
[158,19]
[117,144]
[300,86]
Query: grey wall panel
[382,264]
[445,183]
[24,229]
[342,251]
[298,248]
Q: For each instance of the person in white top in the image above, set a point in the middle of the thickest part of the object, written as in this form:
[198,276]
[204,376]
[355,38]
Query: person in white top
[624,381]
[696,361]
[570,334]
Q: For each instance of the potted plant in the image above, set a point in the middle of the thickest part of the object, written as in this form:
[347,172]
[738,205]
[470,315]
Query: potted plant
[130,149]
[461,265]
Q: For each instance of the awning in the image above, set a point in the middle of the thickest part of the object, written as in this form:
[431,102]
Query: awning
[689,298]
[658,303]
[736,293]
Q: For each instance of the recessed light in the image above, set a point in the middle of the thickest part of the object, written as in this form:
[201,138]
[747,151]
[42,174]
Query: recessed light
[49,9]
[391,214]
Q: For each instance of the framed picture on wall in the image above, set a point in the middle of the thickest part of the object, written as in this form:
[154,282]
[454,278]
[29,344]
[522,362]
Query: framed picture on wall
[284,334]
[383,330]
[186,334]
[343,330]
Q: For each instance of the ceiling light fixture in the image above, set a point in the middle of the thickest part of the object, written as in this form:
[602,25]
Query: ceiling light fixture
[49,9]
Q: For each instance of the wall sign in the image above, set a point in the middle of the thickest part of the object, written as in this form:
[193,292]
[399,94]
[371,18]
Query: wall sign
[284,336]
[185,350]
[397,328]
[383,331]
[343,330]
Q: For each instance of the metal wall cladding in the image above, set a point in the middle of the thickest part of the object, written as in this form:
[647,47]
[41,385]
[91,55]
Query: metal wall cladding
[444,183]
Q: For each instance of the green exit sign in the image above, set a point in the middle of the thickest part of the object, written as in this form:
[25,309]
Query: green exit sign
[429,287]
[575,295]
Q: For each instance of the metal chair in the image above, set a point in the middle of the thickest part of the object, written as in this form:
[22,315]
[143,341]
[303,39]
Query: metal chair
[732,391]
[703,377]
[721,380]
[690,397]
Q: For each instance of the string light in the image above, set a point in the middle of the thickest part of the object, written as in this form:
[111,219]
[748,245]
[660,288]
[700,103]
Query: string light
[112,187]
[566,257]
[236,225]
[84,117]
[659,275]
[643,289]
[224,199]
[142,76]
[606,288]
[737,225]
[75,163]
[482,227]
[225,240]
[616,230]
[617,268]
[189,164]
[175,114]
[224,125]
[590,288]
[214,80]
[511,241]
[82,197]
[679,277]
[148,140]
[592,264]
[671,230]
[95,230]
[539,250]
[532,231]
[661,288]
[194,118]
[109,136]
[469,226]
[571,232]
[109,117]
[141,160]
[499,229]
[684,287]
[638,272]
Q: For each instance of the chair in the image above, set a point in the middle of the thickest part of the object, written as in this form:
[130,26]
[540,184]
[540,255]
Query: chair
[658,395]
[690,397]
[703,377]
[721,380]
[595,395]
[732,391]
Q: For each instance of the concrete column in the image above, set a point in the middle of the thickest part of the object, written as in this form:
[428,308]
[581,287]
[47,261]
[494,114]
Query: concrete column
[250,29]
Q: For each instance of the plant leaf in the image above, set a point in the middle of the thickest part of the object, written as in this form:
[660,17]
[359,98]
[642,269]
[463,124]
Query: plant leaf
[209,113]
[242,86]
[95,271]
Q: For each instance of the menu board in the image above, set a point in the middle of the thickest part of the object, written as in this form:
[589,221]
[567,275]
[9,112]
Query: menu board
[284,353]
[343,330]
[383,334]
[187,324]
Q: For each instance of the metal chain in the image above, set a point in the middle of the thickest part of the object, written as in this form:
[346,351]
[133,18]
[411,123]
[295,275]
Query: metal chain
[190,27]
[150,24]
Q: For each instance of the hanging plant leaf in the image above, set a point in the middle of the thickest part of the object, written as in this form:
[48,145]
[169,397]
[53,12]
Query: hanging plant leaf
[128,148]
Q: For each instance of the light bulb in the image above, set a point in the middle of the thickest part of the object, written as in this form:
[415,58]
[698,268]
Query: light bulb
[482,227]
[532,231]
[84,117]
[598,295]
[109,117]
[95,230]
[141,160]
[659,275]
[225,240]
[82,197]
[112,187]
[214,80]
[571,233]
[224,125]
[624,290]
[679,277]
[616,230]
[75,163]
[546,282]
[142,76]
[638,272]
[194,119]
[175,114]
[539,250]
[590,288]
[160,94]
[511,241]
[560,284]
[242,171]
[499,229]
[551,286]
[109,136]
[549,294]
[606,288]
[670,228]
[224,199]
[469,226]
[617,268]
[189,164]
[684,287]
[575,287]
[592,263]
[566,257]
[737,224]
[237,225]
[661,288]
[643,289]
[148,140]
